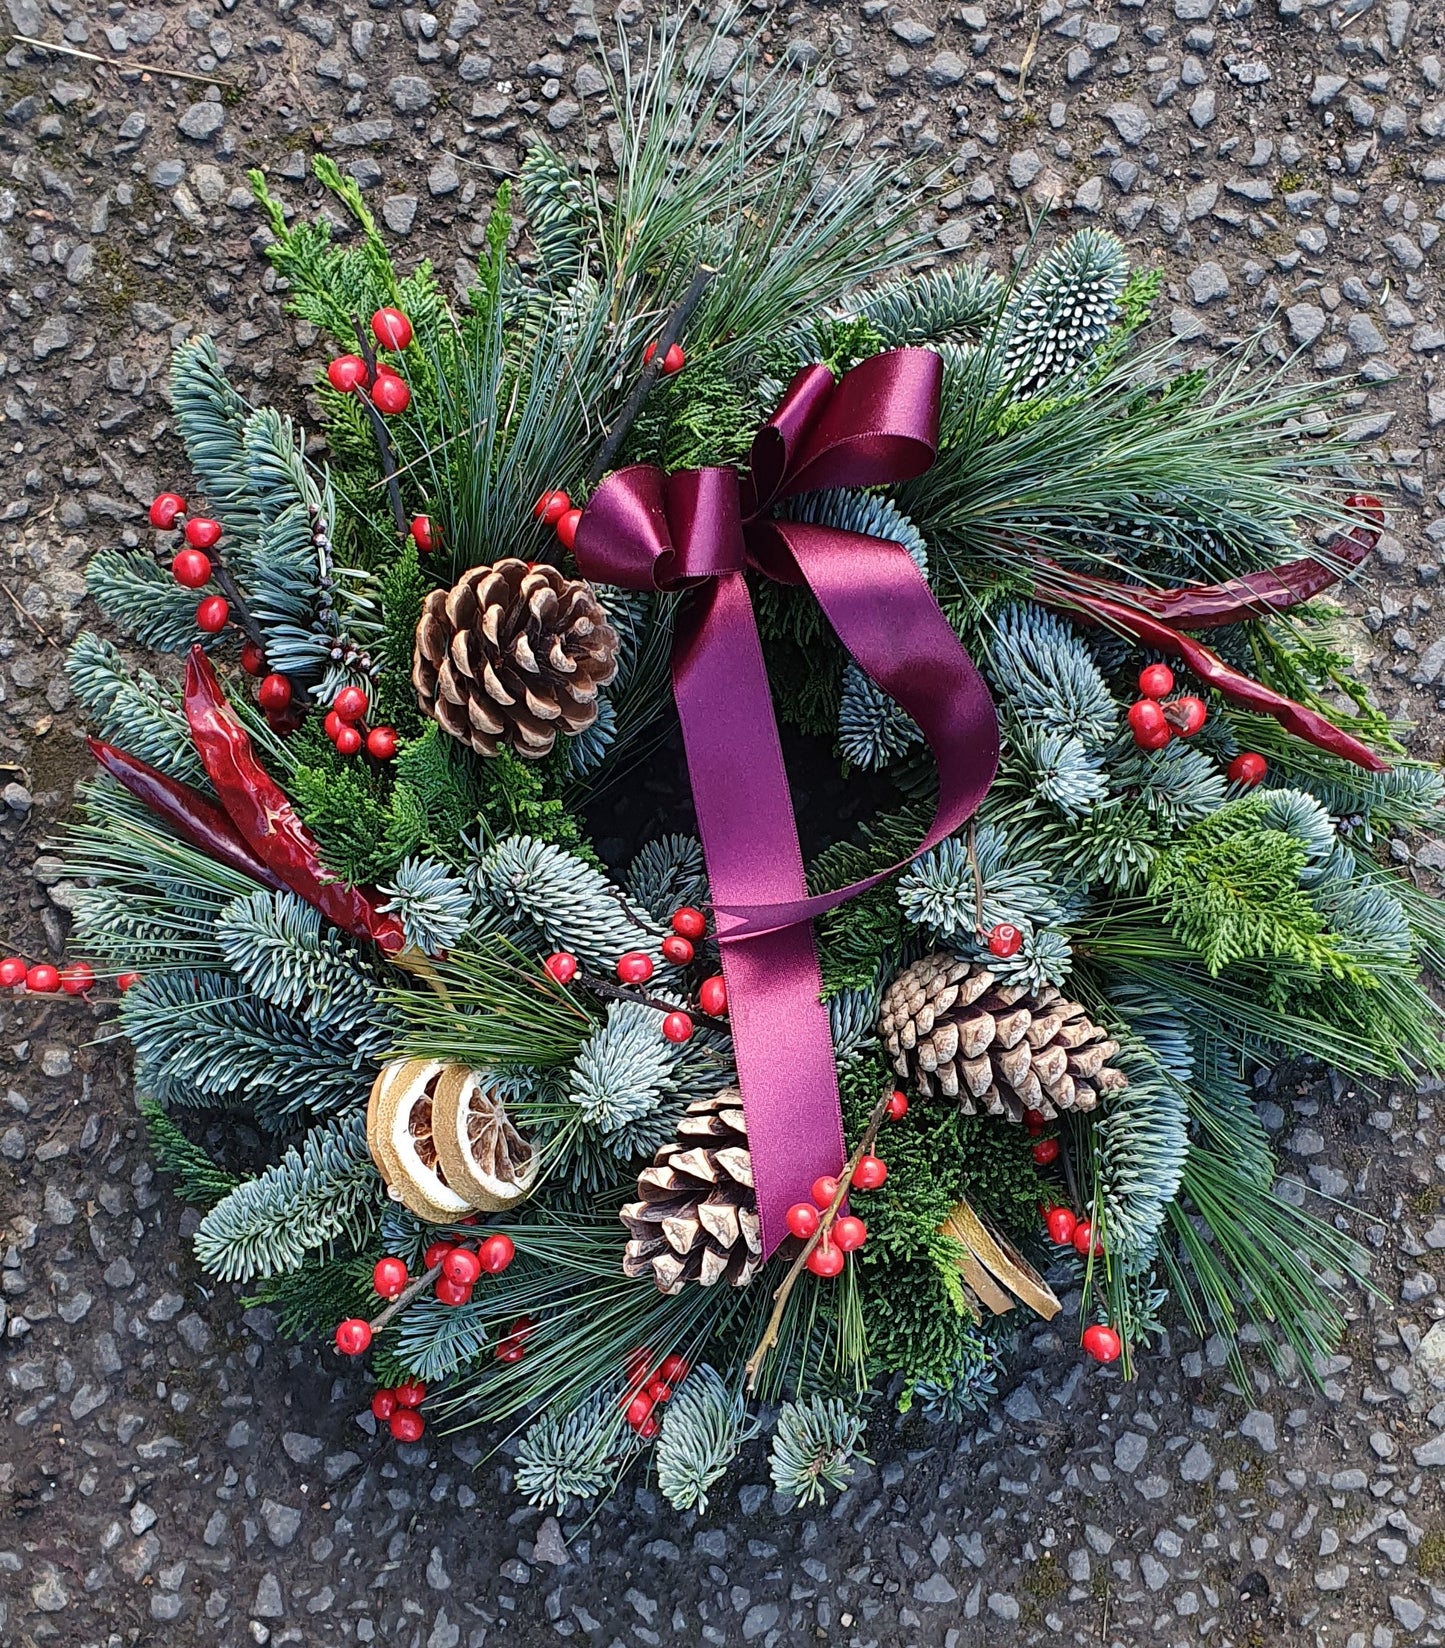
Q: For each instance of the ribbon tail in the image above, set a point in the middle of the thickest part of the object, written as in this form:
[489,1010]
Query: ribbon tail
[781,1035]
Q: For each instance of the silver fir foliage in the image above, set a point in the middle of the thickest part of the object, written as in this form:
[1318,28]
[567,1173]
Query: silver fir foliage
[704,1426]
[1063,310]
[432,901]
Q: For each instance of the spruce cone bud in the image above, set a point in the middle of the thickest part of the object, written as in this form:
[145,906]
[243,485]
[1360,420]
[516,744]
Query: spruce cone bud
[511,654]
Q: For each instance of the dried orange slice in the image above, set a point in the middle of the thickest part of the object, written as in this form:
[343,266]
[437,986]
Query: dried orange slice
[399,1135]
[481,1154]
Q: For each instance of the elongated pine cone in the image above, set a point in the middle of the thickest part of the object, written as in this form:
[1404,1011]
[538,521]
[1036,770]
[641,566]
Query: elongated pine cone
[951,1027]
[696,1217]
[513,654]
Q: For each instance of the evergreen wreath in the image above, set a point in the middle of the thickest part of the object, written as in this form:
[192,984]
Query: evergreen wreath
[354,904]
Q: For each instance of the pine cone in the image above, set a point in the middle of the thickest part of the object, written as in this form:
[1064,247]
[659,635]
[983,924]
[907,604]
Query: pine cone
[510,654]
[953,1028]
[697,1219]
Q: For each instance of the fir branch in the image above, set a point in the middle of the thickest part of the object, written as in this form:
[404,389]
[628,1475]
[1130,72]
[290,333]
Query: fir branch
[202,1182]
[132,710]
[704,1426]
[571,1455]
[275,944]
[433,903]
[815,1447]
[667,873]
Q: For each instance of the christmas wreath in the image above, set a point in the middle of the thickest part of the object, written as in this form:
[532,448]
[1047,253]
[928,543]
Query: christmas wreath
[629,1163]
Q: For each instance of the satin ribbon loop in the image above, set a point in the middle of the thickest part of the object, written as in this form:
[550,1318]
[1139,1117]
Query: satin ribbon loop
[701,530]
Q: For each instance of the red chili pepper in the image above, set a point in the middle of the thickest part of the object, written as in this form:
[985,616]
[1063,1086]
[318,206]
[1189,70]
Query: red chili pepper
[1208,666]
[265,817]
[1256,595]
[187,811]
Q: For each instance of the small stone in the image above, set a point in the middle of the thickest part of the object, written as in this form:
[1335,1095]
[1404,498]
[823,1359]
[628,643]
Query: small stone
[201,121]
[1024,167]
[1130,1451]
[549,1546]
[1201,110]
[1002,1605]
[409,93]
[1197,1465]
[759,1620]
[1431,1352]
[1431,1452]
[52,335]
[1250,73]
[1407,1612]
[282,1522]
[1333,1578]
[1130,121]
[1258,1426]
[1207,282]
[1365,335]
[268,1604]
[300,1447]
[935,1590]
[444,179]
[911,32]
[398,212]
[1326,88]
[1077,64]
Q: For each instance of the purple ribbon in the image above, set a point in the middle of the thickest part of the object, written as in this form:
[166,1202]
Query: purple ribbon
[702,529]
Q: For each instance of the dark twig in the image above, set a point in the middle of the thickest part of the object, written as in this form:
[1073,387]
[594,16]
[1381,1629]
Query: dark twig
[620,992]
[405,1297]
[384,449]
[664,341]
[240,612]
[755,1362]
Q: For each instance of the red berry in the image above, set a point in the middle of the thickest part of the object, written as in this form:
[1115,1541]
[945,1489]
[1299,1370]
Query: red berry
[635,967]
[677,950]
[638,1362]
[551,507]
[496,1253]
[12,972]
[638,1409]
[332,725]
[213,614]
[897,1105]
[389,1277]
[673,1369]
[191,568]
[510,1350]
[1033,1123]
[381,743]
[677,1027]
[712,996]
[1247,769]
[389,394]
[1046,1151]
[383,1404]
[202,532]
[347,372]
[826,1259]
[869,1173]
[274,693]
[672,361]
[1186,715]
[562,965]
[1005,940]
[165,506]
[802,1219]
[407,1425]
[688,923]
[1156,680]
[1102,1343]
[1148,722]
[648,1428]
[410,1394]
[253,659]
[348,740]
[1083,1239]
[566,526]
[424,535]
[124,981]
[351,703]
[452,1293]
[435,1253]
[76,979]
[824,1189]
[462,1266]
[42,978]
[353,1336]
[659,1389]
[849,1233]
[391,328]
[1060,1222]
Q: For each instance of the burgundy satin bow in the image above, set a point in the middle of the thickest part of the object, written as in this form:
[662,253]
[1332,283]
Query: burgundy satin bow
[703,529]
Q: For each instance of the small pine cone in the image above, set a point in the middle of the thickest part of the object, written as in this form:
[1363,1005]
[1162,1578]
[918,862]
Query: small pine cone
[696,1219]
[955,1030]
[510,655]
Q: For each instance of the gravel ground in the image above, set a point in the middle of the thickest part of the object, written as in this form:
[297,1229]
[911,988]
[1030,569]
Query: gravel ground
[169,1472]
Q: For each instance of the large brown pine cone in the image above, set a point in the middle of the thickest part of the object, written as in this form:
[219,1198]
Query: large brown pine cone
[696,1219]
[953,1029]
[511,654]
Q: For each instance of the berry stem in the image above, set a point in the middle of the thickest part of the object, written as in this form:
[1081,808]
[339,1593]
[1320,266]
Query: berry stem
[664,340]
[754,1363]
[240,612]
[384,448]
[621,992]
[405,1297]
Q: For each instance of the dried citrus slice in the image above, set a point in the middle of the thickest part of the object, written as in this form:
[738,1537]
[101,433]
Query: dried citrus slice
[399,1122]
[481,1154]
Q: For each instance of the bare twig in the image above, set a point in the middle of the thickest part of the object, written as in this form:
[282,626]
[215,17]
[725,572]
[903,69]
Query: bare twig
[971,843]
[405,1297]
[385,451]
[237,603]
[126,63]
[30,618]
[755,1362]
[620,992]
[676,320]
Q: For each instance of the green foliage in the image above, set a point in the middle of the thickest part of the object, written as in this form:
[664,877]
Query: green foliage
[621,1076]
[344,803]
[309,1302]
[201,1181]
[1231,891]
[321,1192]
[694,418]
[432,901]
[402,587]
[571,1455]
[141,598]
[971,1383]
[1063,310]
[132,710]
[667,873]
[275,943]
[814,1448]
[703,1427]
[957,304]
[558,217]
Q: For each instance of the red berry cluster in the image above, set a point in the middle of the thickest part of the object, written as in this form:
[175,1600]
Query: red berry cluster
[847,1233]
[1047,1150]
[41,979]
[396,1409]
[387,390]
[462,1267]
[647,1386]
[191,566]
[346,729]
[1066,1229]
[1154,722]
[555,509]
[636,967]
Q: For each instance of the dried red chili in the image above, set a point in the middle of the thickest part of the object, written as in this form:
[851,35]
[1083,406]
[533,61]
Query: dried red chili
[187,811]
[265,817]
